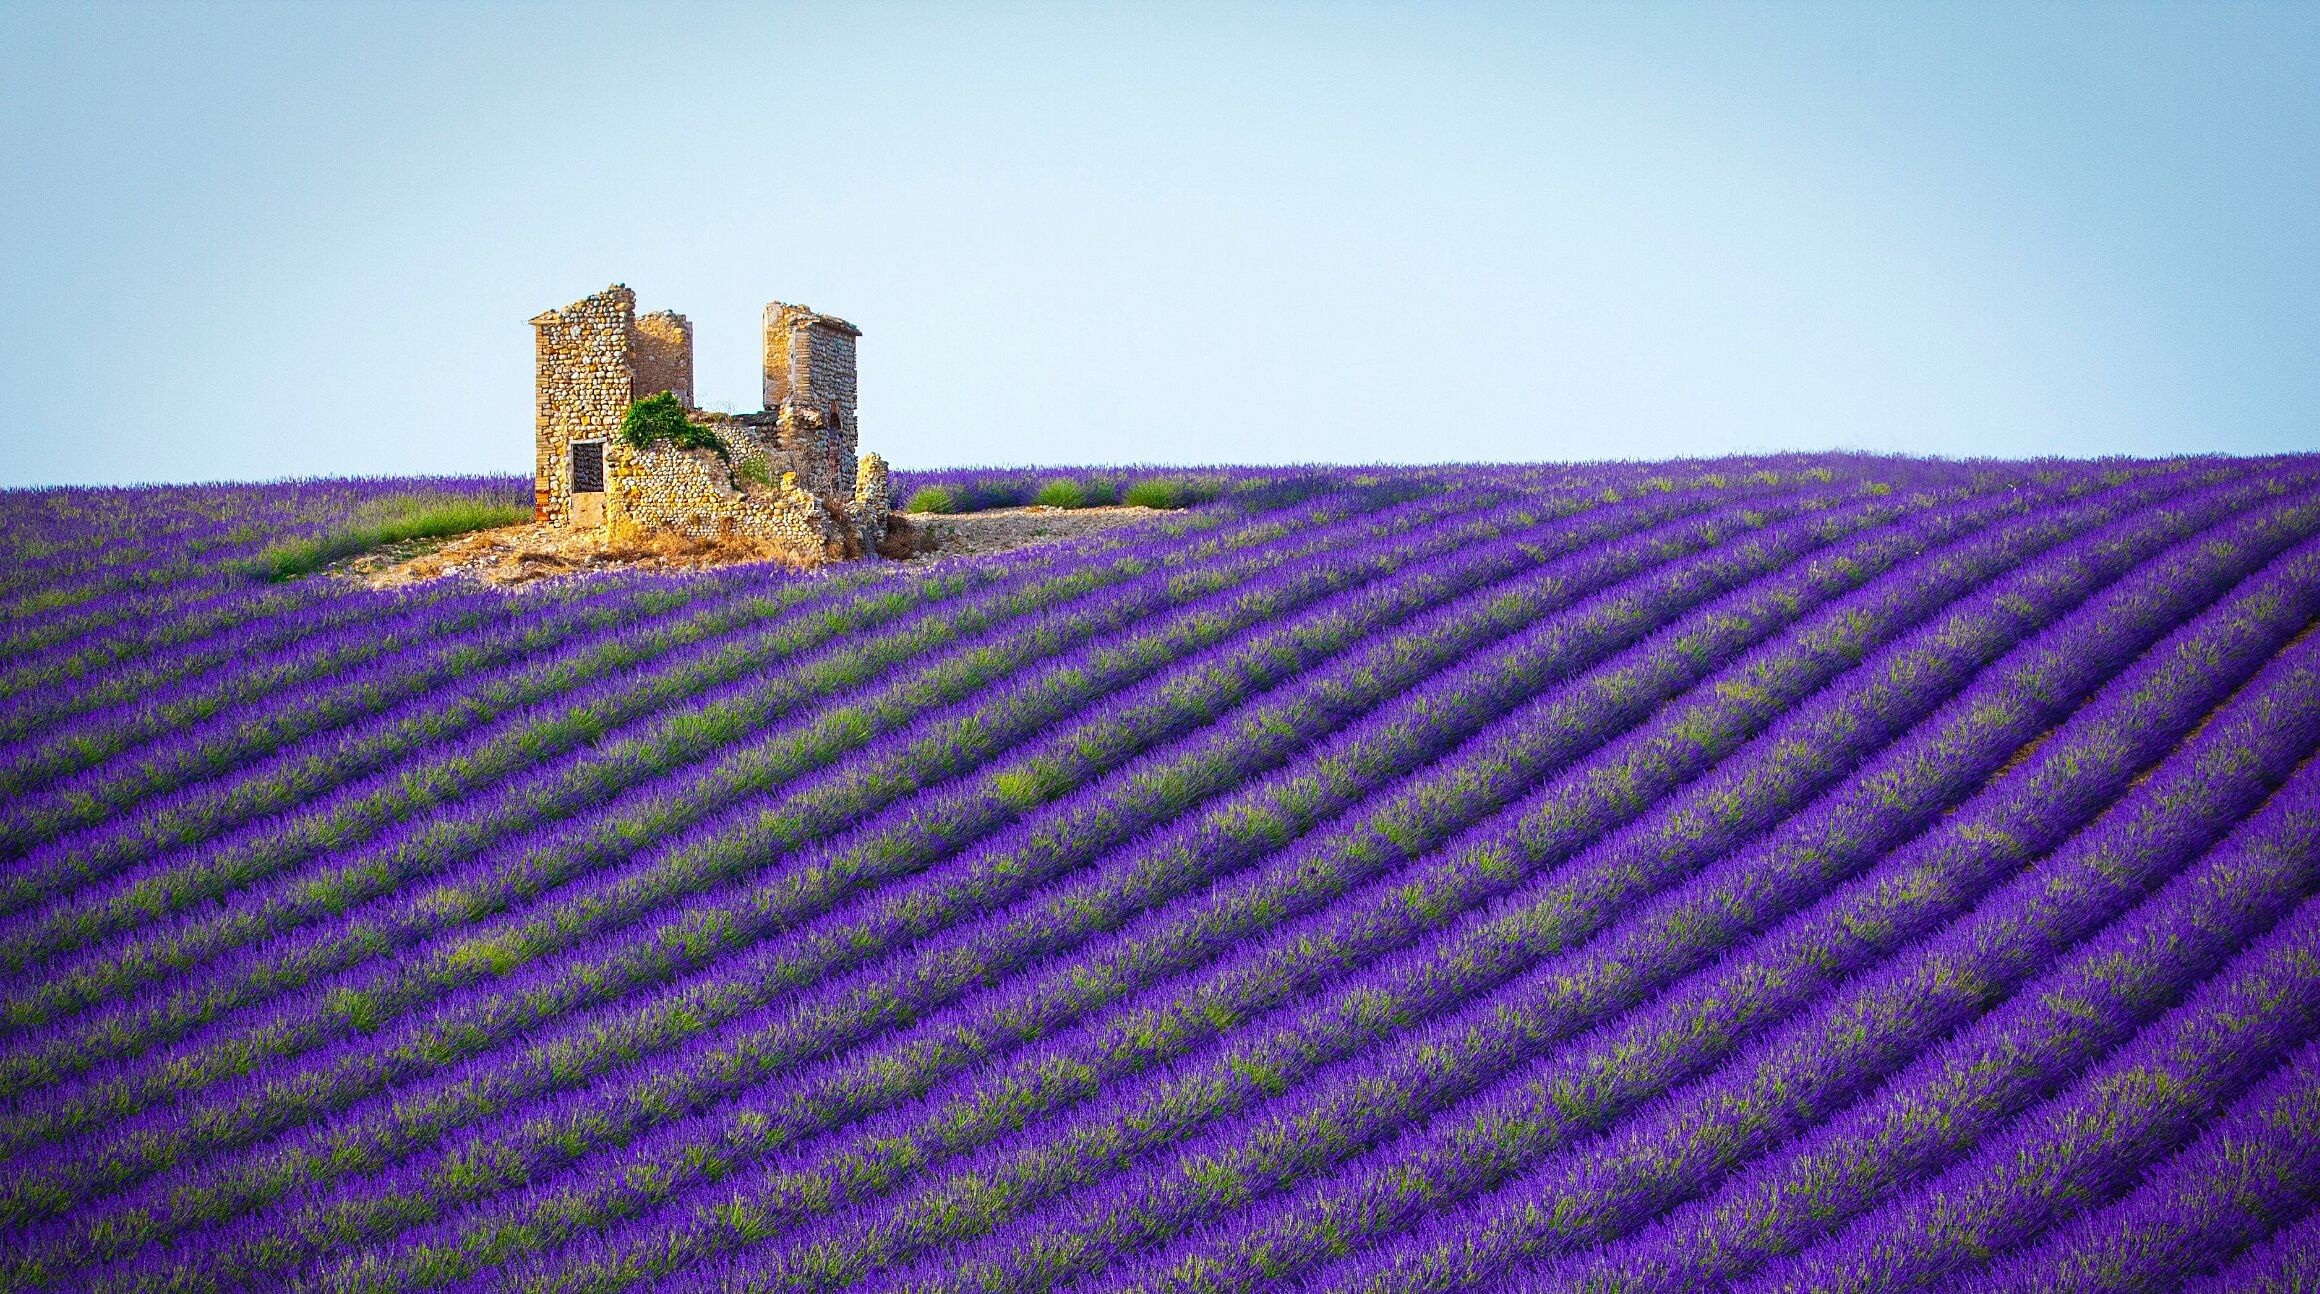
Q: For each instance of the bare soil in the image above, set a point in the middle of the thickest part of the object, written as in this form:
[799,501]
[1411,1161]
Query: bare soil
[1000,530]
[513,556]
[518,555]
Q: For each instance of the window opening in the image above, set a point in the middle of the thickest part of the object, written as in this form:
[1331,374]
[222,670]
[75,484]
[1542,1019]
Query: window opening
[587,467]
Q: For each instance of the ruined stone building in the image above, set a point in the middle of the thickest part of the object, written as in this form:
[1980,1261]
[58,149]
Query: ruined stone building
[788,474]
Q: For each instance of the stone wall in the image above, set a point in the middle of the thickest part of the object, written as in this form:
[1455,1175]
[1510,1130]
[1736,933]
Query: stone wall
[585,385]
[810,388]
[873,499]
[809,362]
[815,449]
[693,492]
[661,356]
[829,364]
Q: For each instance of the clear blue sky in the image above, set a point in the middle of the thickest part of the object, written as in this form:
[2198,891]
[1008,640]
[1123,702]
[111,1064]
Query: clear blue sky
[303,239]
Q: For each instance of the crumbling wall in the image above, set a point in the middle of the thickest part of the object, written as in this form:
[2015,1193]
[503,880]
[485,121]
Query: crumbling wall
[661,356]
[691,492]
[583,353]
[809,444]
[828,355]
[810,385]
[873,500]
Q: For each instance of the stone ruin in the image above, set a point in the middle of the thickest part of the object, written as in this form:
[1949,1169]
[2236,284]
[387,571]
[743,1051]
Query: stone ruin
[788,475]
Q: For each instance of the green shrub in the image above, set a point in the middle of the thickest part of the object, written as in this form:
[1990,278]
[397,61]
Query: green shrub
[1157,492]
[934,498]
[385,521]
[1063,493]
[659,419]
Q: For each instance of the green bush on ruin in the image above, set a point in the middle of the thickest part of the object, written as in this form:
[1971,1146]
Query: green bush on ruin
[660,420]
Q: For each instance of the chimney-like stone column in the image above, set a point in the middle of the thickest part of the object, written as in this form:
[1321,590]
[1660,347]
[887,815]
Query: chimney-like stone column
[809,382]
[661,356]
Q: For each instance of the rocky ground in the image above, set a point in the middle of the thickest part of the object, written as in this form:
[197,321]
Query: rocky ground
[518,555]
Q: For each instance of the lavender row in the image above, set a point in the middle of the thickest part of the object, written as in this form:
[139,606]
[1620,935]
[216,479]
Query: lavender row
[137,634]
[972,489]
[1952,1097]
[331,642]
[125,627]
[1778,1087]
[194,552]
[512,716]
[68,523]
[979,487]
[2257,1166]
[1013,863]
[66,557]
[654,746]
[39,708]
[151,549]
[2286,1263]
[2086,1144]
[1364,1098]
[934,746]
[118,622]
[1888,606]
[112,767]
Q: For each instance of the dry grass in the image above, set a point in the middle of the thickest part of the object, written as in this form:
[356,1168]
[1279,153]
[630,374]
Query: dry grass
[512,556]
[518,555]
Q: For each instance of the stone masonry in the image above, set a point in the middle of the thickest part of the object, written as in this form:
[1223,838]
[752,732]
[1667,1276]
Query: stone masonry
[788,474]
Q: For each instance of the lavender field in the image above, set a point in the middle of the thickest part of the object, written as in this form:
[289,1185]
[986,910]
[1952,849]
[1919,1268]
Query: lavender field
[1804,873]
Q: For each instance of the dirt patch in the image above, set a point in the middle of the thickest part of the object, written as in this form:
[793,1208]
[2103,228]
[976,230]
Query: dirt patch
[513,556]
[999,530]
[517,555]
